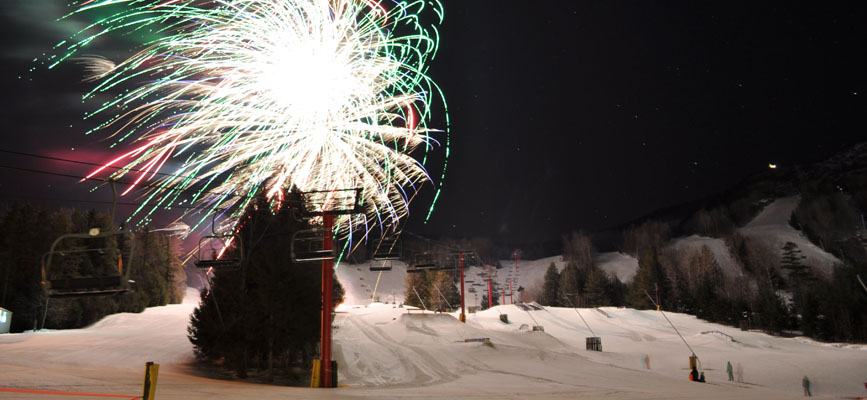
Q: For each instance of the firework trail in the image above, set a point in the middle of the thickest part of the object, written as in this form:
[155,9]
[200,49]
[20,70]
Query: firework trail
[257,96]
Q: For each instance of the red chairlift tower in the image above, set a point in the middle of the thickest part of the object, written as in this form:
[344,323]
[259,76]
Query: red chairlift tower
[326,204]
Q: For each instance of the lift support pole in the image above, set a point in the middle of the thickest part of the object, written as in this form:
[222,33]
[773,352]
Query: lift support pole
[327,301]
[490,294]
[461,264]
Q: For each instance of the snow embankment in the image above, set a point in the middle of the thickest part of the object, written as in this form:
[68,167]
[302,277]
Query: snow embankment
[119,341]
[772,228]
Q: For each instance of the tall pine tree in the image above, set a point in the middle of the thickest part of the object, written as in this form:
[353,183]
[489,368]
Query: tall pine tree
[648,276]
[551,287]
[596,288]
[571,284]
[268,311]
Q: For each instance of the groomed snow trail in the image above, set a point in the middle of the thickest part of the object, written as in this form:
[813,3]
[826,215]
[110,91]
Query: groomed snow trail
[389,352]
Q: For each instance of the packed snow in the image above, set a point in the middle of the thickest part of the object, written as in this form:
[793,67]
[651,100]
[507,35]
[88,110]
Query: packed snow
[389,351]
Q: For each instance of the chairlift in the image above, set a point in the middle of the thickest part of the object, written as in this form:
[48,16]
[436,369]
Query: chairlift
[307,246]
[471,258]
[386,249]
[380,266]
[422,267]
[217,259]
[93,285]
[424,262]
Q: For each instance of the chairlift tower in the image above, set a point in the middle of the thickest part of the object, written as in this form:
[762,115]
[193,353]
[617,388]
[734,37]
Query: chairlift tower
[326,204]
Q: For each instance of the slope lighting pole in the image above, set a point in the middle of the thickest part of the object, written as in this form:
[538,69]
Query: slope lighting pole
[461,264]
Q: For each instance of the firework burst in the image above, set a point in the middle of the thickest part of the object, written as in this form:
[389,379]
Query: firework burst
[257,96]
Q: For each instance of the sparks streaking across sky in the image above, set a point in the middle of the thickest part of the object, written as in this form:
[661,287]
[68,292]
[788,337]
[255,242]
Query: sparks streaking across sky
[255,96]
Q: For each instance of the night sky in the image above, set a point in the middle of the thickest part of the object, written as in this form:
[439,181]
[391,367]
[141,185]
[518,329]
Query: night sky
[565,115]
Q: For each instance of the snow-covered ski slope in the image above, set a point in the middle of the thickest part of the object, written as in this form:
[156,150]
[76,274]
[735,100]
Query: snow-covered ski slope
[359,281]
[772,227]
[389,352]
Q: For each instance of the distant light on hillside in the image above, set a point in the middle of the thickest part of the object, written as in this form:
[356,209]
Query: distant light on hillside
[773,166]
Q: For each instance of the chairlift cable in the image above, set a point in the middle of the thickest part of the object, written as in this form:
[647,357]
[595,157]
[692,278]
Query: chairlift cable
[444,297]
[672,325]
[419,298]
[861,282]
[579,314]
[373,296]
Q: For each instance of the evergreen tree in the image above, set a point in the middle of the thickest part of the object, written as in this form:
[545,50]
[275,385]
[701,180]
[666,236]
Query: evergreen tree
[647,278]
[485,302]
[551,287]
[792,261]
[27,232]
[571,284]
[596,288]
[268,311]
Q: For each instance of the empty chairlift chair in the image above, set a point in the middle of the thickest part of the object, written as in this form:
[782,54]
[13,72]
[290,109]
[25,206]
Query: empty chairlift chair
[384,252]
[424,262]
[307,246]
[215,257]
[103,252]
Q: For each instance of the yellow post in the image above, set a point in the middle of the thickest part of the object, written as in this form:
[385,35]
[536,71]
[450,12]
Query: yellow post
[314,377]
[692,363]
[150,380]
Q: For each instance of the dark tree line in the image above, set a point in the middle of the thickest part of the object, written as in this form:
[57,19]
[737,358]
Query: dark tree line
[27,232]
[581,283]
[777,292]
[264,316]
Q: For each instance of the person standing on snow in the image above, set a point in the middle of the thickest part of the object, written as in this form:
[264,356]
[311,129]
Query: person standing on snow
[730,371]
[806,384]
[693,375]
